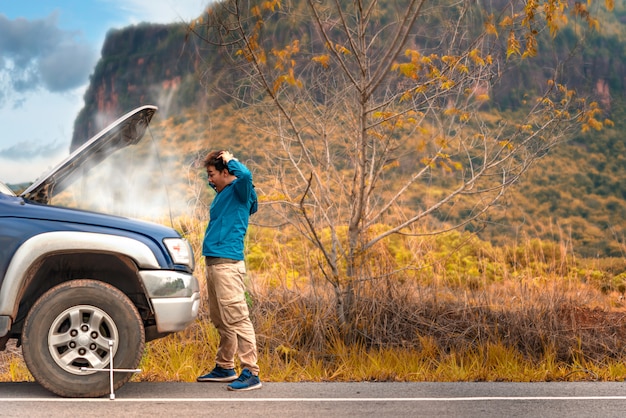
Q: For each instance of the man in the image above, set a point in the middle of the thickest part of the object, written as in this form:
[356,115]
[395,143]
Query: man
[222,247]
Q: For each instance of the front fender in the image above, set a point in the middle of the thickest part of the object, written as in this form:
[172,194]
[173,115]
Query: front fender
[35,248]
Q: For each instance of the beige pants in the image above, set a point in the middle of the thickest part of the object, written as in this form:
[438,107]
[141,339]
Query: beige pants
[228,311]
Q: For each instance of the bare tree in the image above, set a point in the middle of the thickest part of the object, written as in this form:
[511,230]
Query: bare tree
[380,113]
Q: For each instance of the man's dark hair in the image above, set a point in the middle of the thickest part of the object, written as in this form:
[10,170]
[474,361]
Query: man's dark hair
[214,159]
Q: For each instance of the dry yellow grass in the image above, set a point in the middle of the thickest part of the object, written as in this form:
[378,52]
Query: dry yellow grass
[478,313]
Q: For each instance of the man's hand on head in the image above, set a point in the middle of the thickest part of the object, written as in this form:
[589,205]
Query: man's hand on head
[226,156]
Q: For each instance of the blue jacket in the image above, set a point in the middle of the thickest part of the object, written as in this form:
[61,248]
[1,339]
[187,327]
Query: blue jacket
[229,214]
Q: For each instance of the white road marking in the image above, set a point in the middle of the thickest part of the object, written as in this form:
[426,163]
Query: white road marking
[460,399]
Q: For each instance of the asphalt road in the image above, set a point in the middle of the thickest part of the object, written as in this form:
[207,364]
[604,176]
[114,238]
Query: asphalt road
[584,399]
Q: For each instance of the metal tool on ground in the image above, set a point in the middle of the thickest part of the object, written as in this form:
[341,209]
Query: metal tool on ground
[110,369]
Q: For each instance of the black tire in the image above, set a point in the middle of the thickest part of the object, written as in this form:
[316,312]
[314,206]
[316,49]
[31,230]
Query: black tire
[70,327]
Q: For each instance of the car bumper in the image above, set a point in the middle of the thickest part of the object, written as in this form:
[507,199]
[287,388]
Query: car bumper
[175,314]
[175,298]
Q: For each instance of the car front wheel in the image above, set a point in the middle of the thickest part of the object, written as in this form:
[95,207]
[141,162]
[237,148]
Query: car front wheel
[76,327]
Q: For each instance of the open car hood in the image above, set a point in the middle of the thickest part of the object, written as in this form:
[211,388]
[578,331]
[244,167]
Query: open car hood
[127,130]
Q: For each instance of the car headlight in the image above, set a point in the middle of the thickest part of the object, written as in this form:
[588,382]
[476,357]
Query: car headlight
[179,250]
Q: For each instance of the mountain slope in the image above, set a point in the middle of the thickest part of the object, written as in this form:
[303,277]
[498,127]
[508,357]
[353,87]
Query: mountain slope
[575,195]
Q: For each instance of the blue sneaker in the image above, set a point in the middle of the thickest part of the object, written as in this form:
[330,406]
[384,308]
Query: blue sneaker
[245,381]
[218,374]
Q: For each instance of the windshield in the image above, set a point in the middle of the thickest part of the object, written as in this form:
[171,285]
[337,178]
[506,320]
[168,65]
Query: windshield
[4,189]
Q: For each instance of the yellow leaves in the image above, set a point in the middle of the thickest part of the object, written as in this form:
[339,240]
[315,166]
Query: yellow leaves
[447,84]
[342,49]
[589,120]
[434,72]
[288,78]
[452,111]
[445,166]
[449,60]
[531,45]
[474,55]
[561,114]
[529,12]
[593,23]
[412,54]
[434,75]
[490,28]
[610,4]
[407,69]
[555,18]
[580,9]
[392,121]
[439,72]
[420,89]
[512,45]
[338,48]
[506,21]
[441,142]
[273,197]
[284,56]
[250,56]
[527,128]
[568,93]
[285,60]
[591,124]
[271,5]
[197,22]
[443,160]
[405,96]
[322,59]
[393,164]
[411,120]
[411,69]
[383,115]
[252,50]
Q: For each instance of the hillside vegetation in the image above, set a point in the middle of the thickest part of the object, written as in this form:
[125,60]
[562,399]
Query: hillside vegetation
[470,312]
[575,195]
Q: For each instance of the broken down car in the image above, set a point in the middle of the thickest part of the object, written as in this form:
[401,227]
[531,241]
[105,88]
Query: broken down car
[79,289]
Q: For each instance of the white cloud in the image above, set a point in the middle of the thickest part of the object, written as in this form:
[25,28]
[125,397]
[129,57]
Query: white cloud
[35,55]
[36,136]
[23,171]
[164,11]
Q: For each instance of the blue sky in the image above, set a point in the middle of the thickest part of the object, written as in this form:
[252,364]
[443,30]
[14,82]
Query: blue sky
[48,49]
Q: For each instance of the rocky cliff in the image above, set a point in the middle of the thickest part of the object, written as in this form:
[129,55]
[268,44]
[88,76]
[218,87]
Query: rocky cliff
[143,64]
[160,64]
